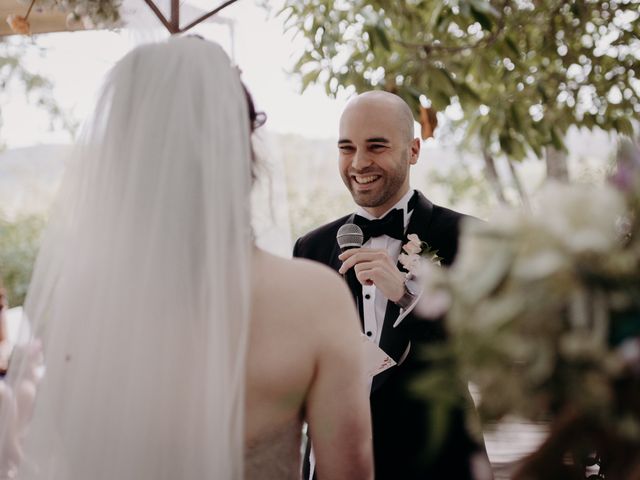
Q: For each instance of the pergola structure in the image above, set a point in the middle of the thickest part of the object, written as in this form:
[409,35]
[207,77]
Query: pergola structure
[172,24]
[52,21]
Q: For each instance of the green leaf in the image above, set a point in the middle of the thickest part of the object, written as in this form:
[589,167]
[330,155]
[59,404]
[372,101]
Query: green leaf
[485,7]
[303,60]
[440,100]
[543,93]
[518,150]
[413,91]
[468,97]
[510,42]
[382,36]
[556,139]
[515,119]
[439,79]
[436,16]
[624,126]
[474,127]
[465,9]
[310,77]
[372,38]
[506,143]
[533,140]
[482,18]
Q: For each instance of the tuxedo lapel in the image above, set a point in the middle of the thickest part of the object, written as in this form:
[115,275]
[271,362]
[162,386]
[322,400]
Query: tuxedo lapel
[394,341]
[420,218]
[418,224]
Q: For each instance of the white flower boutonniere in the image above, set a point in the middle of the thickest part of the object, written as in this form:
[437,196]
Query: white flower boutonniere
[415,250]
[424,265]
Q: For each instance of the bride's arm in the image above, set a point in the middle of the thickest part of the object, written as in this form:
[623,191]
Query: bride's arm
[338,411]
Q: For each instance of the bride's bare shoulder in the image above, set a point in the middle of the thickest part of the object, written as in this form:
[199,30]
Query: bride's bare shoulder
[305,299]
[308,279]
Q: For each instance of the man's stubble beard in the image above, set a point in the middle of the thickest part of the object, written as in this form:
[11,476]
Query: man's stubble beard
[375,199]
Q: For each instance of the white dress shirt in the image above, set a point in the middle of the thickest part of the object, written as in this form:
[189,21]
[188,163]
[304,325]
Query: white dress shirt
[374,303]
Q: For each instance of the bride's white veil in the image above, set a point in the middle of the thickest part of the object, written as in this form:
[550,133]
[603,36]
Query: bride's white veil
[140,294]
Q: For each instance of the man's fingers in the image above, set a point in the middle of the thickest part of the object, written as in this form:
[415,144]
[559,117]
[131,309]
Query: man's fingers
[357,259]
[359,256]
[354,251]
[369,273]
[365,277]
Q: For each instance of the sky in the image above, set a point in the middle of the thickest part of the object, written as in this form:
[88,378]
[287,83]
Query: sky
[76,63]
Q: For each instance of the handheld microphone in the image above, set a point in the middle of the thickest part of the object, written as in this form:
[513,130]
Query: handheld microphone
[349,236]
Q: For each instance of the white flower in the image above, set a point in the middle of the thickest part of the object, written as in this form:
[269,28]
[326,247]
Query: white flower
[414,245]
[411,262]
[433,304]
[436,298]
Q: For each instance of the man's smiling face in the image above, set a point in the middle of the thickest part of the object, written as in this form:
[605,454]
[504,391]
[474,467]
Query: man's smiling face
[376,149]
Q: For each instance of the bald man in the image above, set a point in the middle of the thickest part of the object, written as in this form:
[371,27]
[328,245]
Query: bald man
[376,150]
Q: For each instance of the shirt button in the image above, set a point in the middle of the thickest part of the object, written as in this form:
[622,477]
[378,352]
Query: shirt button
[369,333]
[367,296]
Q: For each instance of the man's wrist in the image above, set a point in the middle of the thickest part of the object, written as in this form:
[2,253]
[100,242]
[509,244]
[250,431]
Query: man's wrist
[411,292]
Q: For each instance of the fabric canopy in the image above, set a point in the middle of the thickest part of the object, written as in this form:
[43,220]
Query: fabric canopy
[41,22]
[50,21]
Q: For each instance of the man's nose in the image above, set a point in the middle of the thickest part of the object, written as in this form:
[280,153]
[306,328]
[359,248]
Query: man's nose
[360,160]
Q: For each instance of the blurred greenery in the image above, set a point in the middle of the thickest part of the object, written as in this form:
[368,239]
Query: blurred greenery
[16,76]
[19,242]
[522,72]
[309,211]
[460,184]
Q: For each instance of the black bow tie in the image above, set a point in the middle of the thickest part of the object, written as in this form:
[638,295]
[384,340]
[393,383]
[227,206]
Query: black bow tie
[391,224]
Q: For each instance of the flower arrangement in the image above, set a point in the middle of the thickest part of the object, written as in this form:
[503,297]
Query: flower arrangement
[543,314]
[91,13]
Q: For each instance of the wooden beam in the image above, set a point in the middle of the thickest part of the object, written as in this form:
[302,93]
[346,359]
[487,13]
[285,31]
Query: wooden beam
[159,14]
[175,16]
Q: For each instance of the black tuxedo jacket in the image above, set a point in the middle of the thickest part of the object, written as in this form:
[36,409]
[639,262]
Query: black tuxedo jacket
[400,420]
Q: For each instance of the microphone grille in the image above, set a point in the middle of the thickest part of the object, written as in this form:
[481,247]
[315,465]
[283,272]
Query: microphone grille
[349,236]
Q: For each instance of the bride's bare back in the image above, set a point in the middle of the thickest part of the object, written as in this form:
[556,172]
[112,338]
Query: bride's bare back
[304,363]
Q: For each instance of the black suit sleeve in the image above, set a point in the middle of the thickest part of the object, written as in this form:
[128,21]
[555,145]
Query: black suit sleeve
[296,248]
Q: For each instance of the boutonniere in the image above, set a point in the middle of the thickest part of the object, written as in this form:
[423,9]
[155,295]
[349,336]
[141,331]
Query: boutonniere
[415,251]
[423,264]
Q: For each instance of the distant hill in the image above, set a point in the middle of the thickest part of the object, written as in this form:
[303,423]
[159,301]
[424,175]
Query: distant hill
[313,188]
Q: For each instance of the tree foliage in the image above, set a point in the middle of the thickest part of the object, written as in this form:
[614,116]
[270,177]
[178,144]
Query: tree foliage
[19,243]
[15,76]
[522,71]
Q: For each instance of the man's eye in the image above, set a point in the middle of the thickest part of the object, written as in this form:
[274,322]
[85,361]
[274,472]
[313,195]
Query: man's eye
[377,146]
[346,149]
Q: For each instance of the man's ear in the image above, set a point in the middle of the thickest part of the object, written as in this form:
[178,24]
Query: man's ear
[415,151]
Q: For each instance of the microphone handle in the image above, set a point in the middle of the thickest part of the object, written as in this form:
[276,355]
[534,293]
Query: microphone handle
[354,286]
